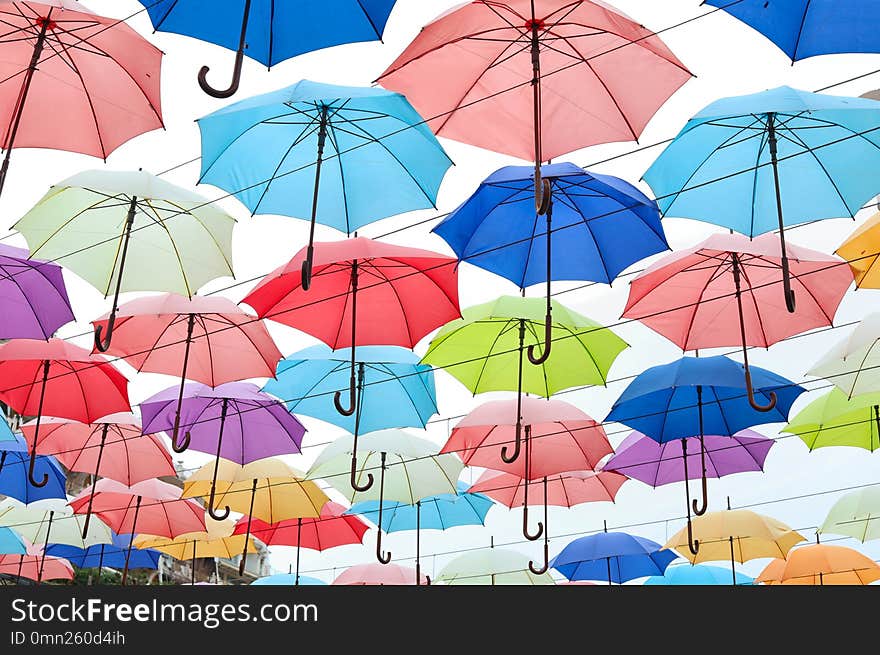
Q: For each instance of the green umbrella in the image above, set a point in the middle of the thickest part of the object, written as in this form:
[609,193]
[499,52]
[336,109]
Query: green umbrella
[130,231]
[492,566]
[835,420]
[856,515]
[484,350]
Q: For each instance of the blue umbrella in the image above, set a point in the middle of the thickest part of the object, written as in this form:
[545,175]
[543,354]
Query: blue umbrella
[759,162]
[613,556]
[287,579]
[268,31]
[695,396]
[685,574]
[600,226]
[806,28]
[112,555]
[11,543]
[14,481]
[269,151]
[439,512]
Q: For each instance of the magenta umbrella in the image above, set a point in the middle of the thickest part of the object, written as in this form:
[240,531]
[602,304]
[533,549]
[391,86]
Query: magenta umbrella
[236,421]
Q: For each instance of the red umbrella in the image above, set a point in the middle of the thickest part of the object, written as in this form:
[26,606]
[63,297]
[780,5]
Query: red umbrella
[362,292]
[333,528]
[206,339]
[59,379]
[116,441]
[36,566]
[149,507]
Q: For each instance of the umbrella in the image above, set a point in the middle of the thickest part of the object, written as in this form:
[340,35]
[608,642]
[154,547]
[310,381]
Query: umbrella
[266,489]
[11,543]
[747,535]
[615,556]
[397,392]
[852,364]
[439,512]
[554,436]
[36,565]
[862,250]
[150,507]
[130,231]
[192,546]
[14,480]
[59,379]
[415,471]
[833,419]
[696,396]
[600,226]
[723,292]
[856,515]
[377,574]
[491,566]
[486,70]
[101,71]
[331,529]
[403,294]
[259,426]
[35,302]
[821,565]
[284,579]
[806,28]
[267,31]
[131,456]
[700,574]
[644,459]
[759,162]
[101,555]
[207,339]
[377,139]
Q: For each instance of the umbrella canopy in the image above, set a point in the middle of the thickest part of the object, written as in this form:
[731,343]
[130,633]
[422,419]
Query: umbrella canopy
[820,564]
[862,251]
[11,543]
[197,545]
[397,392]
[36,565]
[284,579]
[14,480]
[833,419]
[57,53]
[268,31]
[806,28]
[51,521]
[112,555]
[35,302]
[491,566]
[644,459]
[701,574]
[852,364]
[376,574]
[563,489]
[612,556]
[856,515]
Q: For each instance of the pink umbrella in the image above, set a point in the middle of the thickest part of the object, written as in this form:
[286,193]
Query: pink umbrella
[207,339]
[378,574]
[36,565]
[149,507]
[492,71]
[116,441]
[725,292]
[57,54]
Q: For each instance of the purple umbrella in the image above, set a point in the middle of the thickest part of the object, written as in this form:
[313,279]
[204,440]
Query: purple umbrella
[33,295]
[641,458]
[236,421]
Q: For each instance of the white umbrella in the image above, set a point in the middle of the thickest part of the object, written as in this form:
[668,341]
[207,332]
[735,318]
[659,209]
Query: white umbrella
[853,364]
[492,566]
[856,515]
[52,521]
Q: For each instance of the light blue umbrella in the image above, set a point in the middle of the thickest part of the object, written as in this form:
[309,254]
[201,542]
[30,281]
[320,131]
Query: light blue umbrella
[701,574]
[759,162]
[14,482]
[287,579]
[439,512]
[269,151]
[269,31]
[397,391]
[11,543]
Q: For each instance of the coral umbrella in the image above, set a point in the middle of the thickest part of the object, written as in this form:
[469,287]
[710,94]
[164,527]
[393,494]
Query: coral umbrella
[491,566]
[331,529]
[267,31]
[131,456]
[615,556]
[57,53]
[852,364]
[821,564]
[206,339]
[130,231]
[14,481]
[149,507]
[57,378]
[862,251]
[36,565]
[35,302]
[536,79]
[112,555]
[856,515]
[833,419]
[377,574]
[254,424]
[370,293]
[700,574]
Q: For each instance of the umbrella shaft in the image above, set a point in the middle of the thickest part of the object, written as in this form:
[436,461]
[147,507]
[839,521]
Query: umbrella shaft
[299,525]
[45,547]
[137,509]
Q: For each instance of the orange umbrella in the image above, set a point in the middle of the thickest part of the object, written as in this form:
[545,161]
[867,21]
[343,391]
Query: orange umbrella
[821,565]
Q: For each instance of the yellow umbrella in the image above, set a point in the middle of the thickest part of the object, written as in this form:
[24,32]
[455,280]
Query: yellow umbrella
[268,489]
[821,565]
[738,535]
[861,249]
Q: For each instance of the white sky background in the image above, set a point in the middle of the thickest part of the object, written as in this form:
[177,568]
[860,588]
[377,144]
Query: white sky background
[727,57]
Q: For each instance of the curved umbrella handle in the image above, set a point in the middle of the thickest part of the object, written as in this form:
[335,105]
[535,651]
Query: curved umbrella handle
[212,512]
[383,557]
[31,479]
[183,444]
[352,399]
[699,510]
[790,303]
[548,341]
[102,344]
[306,269]
[543,192]
[526,533]
[517,446]
[693,544]
[354,484]
[546,565]
[46,367]
[239,60]
[751,393]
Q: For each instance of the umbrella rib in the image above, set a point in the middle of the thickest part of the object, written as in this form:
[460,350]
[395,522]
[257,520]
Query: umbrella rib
[711,278]
[335,141]
[378,271]
[517,191]
[162,226]
[585,348]
[528,259]
[181,210]
[765,137]
[751,292]
[201,320]
[592,236]
[801,142]
[508,326]
[827,123]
